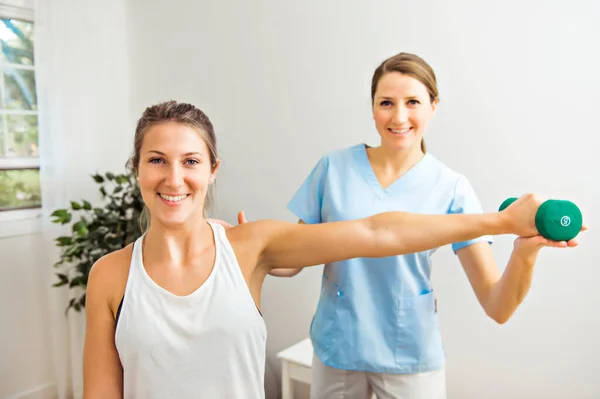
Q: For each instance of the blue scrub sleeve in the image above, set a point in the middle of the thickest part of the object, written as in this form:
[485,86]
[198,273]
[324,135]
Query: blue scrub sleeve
[466,201]
[306,203]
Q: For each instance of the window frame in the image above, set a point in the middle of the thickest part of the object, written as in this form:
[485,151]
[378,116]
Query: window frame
[26,220]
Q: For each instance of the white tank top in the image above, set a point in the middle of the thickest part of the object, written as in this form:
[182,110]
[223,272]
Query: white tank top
[209,344]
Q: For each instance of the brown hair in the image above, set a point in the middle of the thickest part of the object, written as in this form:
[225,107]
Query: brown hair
[172,111]
[411,65]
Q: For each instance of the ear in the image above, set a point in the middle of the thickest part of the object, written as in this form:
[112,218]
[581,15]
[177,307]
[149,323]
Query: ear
[373,109]
[434,104]
[213,175]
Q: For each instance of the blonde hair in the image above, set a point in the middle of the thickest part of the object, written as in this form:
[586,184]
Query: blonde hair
[172,111]
[411,65]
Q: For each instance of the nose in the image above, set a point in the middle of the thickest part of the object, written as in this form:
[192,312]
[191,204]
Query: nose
[174,178]
[400,115]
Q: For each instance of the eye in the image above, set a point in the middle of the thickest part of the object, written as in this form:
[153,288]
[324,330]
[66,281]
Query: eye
[192,162]
[385,103]
[155,160]
[413,102]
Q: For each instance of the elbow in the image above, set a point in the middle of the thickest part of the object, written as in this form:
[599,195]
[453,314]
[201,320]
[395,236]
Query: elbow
[498,313]
[499,319]
[103,393]
[499,316]
[284,272]
[376,238]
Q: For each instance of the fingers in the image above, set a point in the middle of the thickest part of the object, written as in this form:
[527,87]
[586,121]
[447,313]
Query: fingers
[241,220]
[557,244]
[561,244]
[572,243]
[540,242]
[242,217]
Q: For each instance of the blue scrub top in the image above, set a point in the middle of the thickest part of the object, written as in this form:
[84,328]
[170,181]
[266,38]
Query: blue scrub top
[379,315]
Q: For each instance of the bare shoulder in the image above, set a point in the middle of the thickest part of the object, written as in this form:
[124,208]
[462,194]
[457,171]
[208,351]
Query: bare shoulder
[108,268]
[108,277]
[249,240]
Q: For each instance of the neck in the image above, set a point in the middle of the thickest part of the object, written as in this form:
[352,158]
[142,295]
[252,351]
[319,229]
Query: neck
[175,244]
[396,161]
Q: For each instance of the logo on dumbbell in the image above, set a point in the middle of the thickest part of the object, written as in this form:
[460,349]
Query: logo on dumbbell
[565,221]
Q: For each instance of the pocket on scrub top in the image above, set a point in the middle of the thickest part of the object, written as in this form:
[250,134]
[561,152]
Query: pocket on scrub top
[418,339]
[325,319]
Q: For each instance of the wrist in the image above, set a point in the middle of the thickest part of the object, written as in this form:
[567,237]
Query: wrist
[527,255]
[498,223]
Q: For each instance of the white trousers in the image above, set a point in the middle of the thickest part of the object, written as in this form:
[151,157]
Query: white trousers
[332,383]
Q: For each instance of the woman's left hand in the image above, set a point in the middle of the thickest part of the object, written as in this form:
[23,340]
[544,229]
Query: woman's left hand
[531,245]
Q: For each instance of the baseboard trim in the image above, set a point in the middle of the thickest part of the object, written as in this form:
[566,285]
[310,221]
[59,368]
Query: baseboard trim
[46,391]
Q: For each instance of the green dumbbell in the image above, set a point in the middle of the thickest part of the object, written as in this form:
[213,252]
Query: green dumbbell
[556,220]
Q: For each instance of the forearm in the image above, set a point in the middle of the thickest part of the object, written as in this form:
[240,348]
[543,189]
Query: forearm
[509,292]
[398,233]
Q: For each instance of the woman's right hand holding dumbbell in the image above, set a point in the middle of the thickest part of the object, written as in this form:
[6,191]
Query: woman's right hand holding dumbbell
[521,213]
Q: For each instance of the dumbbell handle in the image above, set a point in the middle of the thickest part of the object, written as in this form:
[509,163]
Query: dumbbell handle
[556,220]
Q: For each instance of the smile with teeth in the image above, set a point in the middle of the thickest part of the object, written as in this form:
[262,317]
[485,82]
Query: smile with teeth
[173,198]
[400,131]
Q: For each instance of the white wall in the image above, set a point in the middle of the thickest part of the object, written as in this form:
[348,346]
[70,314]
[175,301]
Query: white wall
[25,363]
[284,82]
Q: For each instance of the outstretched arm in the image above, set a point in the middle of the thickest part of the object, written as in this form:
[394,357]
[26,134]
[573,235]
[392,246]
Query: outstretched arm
[288,245]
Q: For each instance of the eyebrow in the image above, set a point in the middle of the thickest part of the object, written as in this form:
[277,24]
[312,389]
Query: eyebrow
[413,97]
[187,154]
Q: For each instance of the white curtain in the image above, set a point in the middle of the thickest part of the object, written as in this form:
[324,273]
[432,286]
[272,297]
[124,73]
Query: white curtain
[85,127]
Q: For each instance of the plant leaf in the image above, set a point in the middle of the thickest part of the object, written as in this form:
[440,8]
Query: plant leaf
[64,279]
[59,213]
[82,300]
[71,303]
[77,281]
[80,228]
[61,216]
[64,240]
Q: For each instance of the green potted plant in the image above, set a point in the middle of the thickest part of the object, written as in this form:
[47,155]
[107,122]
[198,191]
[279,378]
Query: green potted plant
[97,231]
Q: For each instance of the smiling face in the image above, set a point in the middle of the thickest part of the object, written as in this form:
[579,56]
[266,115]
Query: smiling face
[402,110]
[404,96]
[175,172]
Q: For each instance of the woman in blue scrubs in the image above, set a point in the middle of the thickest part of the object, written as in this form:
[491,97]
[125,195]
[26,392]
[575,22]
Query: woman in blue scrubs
[376,329]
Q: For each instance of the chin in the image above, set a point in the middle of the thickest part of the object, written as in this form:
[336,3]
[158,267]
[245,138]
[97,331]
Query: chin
[172,223]
[401,145]
[170,219]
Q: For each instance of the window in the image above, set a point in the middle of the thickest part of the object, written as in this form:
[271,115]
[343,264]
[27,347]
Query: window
[19,155]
